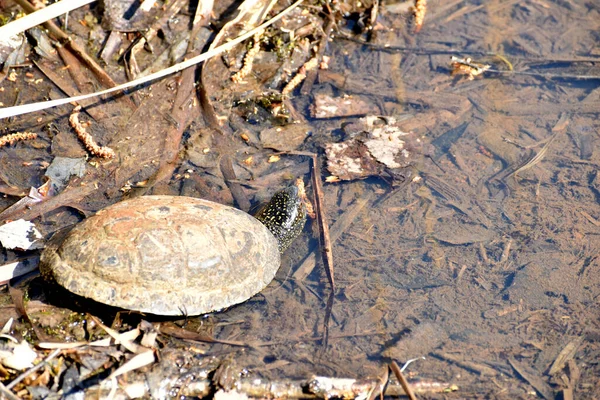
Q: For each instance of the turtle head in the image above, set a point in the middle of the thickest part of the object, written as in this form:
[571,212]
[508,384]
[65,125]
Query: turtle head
[284,215]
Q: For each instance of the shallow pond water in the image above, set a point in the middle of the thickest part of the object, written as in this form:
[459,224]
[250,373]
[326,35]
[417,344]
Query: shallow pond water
[488,263]
[485,260]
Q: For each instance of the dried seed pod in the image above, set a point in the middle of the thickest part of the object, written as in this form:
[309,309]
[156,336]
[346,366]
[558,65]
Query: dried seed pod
[248,60]
[300,76]
[419,12]
[15,137]
[87,139]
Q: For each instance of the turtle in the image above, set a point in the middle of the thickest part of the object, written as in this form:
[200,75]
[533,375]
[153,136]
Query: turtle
[175,255]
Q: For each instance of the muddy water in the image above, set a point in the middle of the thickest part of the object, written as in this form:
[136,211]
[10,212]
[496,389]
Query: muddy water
[486,261]
[492,257]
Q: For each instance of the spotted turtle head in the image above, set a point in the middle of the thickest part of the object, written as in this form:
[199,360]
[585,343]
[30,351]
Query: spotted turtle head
[284,216]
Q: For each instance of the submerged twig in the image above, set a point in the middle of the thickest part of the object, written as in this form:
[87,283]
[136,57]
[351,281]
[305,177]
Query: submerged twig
[403,382]
[531,159]
[430,51]
[322,221]
[536,158]
[324,237]
[170,329]
[340,226]
[319,204]
[534,380]
[466,66]
[226,167]
[473,366]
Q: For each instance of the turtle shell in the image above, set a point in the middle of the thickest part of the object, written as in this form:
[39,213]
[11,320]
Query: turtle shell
[167,255]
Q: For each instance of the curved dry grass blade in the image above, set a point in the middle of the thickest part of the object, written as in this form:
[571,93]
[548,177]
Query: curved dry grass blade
[138,361]
[40,16]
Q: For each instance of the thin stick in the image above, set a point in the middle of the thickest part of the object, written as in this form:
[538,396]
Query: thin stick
[170,329]
[325,240]
[322,221]
[33,369]
[321,218]
[403,382]
[312,75]
[226,166]
[325,244]
[381,386]
[339,227]
[5,392]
